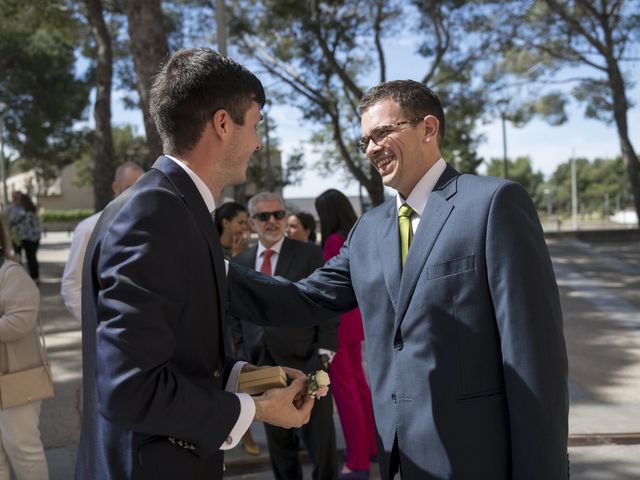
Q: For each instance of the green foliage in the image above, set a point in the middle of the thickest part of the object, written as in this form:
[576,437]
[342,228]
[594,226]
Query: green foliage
[521,171]
[602,186]
[43,96]
[591,46]
[325,54]
[128,146]
[265,171]
[65,215]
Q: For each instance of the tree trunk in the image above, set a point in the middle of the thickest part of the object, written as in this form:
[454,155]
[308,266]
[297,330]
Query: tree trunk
[104,168]
[620,108]
[150,49]
[374,187]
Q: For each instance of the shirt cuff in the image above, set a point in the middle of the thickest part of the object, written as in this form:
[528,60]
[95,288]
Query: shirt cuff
[247,409]
[247,414]
[226,267]
[232,381]
[328,353]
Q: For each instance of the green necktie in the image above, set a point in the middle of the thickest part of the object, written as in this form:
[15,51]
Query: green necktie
[406,232]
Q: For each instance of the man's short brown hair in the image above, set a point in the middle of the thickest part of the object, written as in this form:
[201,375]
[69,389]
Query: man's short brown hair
[191,87]
[414,98]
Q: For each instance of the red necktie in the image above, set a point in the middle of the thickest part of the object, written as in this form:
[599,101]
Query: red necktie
[266,262]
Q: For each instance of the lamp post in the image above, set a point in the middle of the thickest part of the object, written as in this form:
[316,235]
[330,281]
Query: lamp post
[547,193]
[3,173]
[574,194]
[502,107]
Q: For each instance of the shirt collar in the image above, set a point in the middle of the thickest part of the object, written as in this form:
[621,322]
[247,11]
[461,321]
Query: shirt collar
[418,197]
[276,247]
[205,193]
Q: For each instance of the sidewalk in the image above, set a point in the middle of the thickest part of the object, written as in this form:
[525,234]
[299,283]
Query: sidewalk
[600,289]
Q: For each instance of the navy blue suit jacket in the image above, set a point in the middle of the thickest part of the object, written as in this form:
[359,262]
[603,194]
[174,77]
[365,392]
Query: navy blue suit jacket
[154,292]
[465,346]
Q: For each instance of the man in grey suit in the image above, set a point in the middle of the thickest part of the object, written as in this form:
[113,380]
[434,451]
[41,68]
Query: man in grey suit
[301,348]
[462,319]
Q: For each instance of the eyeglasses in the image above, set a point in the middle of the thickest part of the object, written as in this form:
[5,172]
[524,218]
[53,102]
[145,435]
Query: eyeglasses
[265,216]
[379,134]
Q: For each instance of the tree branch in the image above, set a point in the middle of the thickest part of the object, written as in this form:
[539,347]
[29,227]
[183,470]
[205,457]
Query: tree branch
[344,151]
[328,55]
[290,77]
[442,45]
[377,29]
[575,25]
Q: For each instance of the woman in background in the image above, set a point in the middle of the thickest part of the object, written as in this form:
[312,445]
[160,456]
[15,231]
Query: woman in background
[348,383]
[231,223]
[28,228]
[20,348]
[301,226]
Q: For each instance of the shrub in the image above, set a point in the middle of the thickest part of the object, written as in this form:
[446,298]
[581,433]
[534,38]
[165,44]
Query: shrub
[66,215]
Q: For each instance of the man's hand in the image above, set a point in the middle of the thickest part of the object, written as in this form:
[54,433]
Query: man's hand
[294,373]
[288,407]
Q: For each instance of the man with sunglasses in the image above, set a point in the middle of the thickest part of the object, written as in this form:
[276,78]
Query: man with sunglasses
[302,348]
[460,307]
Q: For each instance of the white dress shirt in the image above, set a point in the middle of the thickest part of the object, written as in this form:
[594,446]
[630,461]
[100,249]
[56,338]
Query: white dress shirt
[276,247]
[247,405]
[71,287]
[419,196]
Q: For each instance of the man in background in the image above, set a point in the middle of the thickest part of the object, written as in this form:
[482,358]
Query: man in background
[303,348]
[71,288]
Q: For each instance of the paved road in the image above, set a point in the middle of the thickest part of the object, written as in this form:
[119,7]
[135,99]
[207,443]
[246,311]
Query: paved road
[600,290]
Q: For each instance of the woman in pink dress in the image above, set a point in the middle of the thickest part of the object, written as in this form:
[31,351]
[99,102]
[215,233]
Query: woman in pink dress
[348,383]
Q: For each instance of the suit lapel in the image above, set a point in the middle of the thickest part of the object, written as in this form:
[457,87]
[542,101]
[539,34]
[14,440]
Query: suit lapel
[191,196]
[284,258]
[388,242]
[434,217]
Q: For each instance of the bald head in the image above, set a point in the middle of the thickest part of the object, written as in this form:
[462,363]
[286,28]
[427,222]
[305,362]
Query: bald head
[126,175]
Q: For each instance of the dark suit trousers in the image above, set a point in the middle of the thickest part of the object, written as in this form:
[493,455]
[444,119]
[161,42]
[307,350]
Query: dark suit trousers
[159,459]
[320,438]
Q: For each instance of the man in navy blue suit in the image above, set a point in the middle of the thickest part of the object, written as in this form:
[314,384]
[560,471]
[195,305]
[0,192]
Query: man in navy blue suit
[462,320]
[159,399]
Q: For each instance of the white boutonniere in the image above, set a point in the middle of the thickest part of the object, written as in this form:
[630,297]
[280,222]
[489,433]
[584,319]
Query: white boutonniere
[318,384]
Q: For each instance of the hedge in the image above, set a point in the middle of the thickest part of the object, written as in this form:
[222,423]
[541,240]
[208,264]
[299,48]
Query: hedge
[65,215]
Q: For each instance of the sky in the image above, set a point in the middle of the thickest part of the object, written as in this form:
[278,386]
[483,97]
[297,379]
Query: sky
[547,146]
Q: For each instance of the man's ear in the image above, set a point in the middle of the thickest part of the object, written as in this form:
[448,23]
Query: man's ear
[432,126]
[221,122]
[252,225]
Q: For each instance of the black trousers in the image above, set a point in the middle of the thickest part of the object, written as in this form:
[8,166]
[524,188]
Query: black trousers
[30,251]
[320,438]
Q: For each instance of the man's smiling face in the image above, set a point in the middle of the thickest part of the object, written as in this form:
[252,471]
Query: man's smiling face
[398,157]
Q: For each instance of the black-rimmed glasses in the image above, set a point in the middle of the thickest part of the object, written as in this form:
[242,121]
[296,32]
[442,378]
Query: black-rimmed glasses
[378,134]
[265,216]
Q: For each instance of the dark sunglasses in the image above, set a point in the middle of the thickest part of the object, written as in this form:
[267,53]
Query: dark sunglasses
[379,134]
[264,216]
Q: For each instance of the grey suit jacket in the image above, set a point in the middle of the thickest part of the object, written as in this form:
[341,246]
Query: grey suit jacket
[291,347]
[465,346]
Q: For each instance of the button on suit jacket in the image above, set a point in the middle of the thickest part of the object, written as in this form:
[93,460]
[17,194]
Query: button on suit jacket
[465,346]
